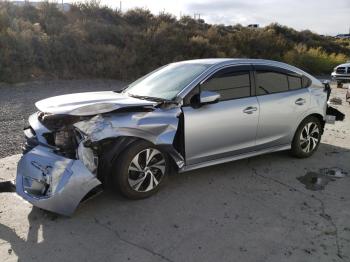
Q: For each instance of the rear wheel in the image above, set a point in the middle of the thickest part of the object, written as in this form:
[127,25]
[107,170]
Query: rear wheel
[307,137]
[339,84]
[140,170]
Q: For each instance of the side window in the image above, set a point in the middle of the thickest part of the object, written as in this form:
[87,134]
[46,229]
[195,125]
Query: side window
[271,82]
[294,82]
[229,84]
[306,81]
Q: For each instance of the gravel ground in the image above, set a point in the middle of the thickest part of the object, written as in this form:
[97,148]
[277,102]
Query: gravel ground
[17,103]
[252,210]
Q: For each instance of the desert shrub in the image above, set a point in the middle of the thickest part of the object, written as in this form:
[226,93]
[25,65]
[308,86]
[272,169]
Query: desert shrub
[314,60]
[95,41]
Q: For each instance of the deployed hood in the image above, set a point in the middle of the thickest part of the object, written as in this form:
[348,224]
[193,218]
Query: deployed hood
[89,103]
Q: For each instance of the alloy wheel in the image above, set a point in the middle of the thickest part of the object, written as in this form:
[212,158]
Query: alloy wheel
[309,137]
[146,170]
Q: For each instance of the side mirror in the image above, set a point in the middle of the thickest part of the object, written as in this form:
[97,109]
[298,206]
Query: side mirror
[208,97]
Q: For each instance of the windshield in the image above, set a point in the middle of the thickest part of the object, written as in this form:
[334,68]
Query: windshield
[167,81]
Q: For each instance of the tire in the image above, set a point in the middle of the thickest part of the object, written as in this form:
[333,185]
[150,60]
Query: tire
[339,85]
[132,177]
[304,142]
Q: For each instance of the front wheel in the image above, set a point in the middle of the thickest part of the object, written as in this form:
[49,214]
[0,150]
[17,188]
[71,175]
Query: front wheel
[140,170]
[307,137]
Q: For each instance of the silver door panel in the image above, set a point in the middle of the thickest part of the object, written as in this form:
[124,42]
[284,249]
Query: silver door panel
[279,116]
[219,130]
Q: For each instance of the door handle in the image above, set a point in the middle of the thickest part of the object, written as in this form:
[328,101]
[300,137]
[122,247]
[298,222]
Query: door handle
[250,109]
[300,101]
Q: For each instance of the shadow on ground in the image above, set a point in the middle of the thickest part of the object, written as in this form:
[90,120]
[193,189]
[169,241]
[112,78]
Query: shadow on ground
[248,210]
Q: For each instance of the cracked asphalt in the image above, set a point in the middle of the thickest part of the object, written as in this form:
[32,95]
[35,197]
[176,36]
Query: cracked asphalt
[249,210]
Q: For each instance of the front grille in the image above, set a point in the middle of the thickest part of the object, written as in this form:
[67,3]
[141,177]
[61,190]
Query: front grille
[341,70]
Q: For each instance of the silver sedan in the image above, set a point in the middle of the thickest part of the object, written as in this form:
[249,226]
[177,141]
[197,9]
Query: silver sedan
[180,117]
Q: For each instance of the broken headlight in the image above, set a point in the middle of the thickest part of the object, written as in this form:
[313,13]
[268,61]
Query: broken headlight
[34,187]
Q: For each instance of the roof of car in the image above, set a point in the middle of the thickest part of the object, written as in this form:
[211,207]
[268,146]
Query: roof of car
[229,61]
[223,61]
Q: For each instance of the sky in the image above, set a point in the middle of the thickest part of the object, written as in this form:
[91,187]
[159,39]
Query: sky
[326,17]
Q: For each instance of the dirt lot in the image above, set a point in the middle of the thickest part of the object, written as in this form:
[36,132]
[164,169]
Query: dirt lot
[249,210]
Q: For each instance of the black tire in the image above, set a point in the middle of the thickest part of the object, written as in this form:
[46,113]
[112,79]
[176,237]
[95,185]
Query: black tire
[339,85]
[121,174]
[299,146]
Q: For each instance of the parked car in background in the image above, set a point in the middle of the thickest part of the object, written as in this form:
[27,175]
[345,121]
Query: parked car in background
[182,116]
[341,74]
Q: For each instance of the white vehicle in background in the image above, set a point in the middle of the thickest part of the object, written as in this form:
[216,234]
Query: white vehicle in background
[341,74]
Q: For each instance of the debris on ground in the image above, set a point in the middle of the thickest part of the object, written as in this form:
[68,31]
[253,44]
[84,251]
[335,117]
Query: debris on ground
[333,172]
[318,180]
[336,101]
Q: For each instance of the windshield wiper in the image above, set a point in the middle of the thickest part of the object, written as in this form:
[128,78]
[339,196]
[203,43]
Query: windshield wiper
[121,90]
[151,98]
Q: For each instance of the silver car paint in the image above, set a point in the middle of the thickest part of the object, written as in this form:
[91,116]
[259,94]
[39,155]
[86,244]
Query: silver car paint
[274,122]
[69,180]
[279,115]
[158,126]
[230,131]
[89,103]
[205,135]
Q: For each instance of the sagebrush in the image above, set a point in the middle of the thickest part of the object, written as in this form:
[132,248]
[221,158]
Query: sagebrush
[95,41]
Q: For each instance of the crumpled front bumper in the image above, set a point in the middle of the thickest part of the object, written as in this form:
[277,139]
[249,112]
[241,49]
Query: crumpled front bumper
[52,182]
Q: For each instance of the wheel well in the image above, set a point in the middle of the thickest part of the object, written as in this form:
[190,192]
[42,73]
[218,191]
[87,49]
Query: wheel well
[319,117]
[110,149]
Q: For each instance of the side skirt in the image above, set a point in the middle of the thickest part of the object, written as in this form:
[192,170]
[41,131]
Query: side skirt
[233,158]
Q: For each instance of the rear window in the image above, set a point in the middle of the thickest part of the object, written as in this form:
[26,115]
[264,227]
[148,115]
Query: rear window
[294,82]
[271,82]
[306,82]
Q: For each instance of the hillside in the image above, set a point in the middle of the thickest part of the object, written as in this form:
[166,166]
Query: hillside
[99,42]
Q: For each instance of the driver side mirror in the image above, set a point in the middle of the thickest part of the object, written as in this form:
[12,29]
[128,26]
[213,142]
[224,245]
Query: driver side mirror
[208,97]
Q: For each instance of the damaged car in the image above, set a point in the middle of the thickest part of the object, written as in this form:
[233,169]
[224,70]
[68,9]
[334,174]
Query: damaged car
[182,116]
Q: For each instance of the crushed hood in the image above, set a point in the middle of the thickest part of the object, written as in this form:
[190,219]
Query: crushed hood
[89,103]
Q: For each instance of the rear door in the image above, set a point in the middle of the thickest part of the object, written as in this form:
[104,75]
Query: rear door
[282,100]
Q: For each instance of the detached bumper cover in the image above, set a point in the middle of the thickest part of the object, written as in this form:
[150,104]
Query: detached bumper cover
[53,182]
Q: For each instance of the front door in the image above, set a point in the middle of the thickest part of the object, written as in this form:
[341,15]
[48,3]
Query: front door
[226,128]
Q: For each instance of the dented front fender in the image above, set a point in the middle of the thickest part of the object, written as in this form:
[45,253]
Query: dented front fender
[158,126]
